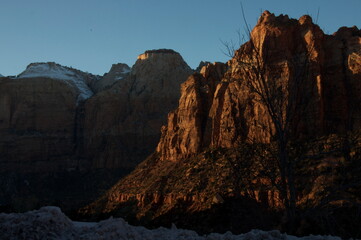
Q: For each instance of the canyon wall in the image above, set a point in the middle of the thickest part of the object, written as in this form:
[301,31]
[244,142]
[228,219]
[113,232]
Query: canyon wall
[217,109]
[207,152]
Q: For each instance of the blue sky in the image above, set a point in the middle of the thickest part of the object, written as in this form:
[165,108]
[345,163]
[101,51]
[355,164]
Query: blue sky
[91,35]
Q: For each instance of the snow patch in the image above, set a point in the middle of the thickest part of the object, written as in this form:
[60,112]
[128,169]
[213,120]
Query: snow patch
[51,223]
[58,72]
[119,75]
[126,70]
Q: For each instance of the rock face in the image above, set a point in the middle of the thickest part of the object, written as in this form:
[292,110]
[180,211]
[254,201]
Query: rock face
[51,120]
[185,133]
[122,123]
[66,135]
[116,73]
[78,80]
[214,113]
[204,156]
[38,113]
[33,135]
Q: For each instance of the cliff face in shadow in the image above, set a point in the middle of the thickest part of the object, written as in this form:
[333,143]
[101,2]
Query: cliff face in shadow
[121,126]
[58,124]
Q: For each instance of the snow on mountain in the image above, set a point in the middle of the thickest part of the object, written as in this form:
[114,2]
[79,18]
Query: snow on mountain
[55,71]
[126,70]
[51,223]
[119,73]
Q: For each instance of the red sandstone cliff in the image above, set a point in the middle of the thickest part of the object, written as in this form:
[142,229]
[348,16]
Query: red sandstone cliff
[203,158]
[228,114]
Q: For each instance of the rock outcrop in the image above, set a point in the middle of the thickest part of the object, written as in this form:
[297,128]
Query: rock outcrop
[185,133]
[63,131]
[82,82]
[206,154]
[51,120]
[221,112]
[117,72]
[122,123]
[38,112]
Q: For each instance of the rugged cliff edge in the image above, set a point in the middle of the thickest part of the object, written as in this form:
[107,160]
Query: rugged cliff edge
[206,172]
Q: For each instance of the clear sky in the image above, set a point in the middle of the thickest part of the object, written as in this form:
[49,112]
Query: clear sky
[91,35]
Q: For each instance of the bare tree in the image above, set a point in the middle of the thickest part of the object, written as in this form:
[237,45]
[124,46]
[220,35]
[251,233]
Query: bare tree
[284,99]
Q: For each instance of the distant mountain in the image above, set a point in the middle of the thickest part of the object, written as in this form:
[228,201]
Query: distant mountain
[117,72]
[80,80]
[56,119]
[122,123]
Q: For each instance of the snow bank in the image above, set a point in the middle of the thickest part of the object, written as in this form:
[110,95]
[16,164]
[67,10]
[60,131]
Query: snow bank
[58,72]
[51,223]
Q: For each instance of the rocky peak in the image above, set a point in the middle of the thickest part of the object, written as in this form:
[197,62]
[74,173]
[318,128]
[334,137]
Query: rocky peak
[270,19]
[346,32]
[117,72]
[124,120]
[156,53]
[305,19]
[161,58]
[266,17]
[119,68]
[158,70]
[201,65]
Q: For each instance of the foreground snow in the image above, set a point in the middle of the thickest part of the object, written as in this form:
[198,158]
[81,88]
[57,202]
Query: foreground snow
[51,223]
[61,73]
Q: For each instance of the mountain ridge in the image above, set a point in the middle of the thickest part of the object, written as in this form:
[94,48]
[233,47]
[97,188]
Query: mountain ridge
[50,134]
